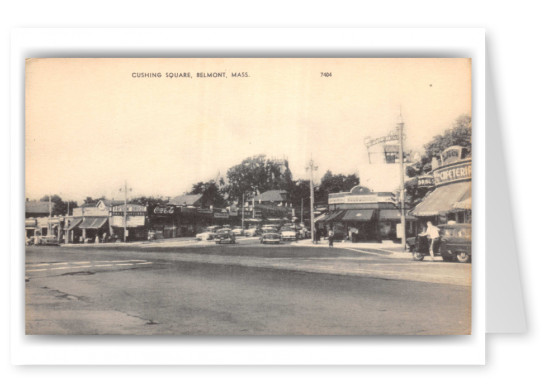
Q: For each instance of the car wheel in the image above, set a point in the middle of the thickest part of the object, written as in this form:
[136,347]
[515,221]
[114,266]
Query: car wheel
[417,256]
[463,257]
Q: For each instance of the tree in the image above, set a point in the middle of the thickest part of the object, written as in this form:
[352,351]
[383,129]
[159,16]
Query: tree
[259,174]
[59,207]
[334,184]
[143,200]
[460,134]
[211,194]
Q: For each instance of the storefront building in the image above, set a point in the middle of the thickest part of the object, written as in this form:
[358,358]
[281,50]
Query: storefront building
[362,215]
[450,195]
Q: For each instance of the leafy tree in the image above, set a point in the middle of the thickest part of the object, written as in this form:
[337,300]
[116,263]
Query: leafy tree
[90,200]
[258,173]
[143,200]
[334,184]
[459,134]
[211,192]
[59,207]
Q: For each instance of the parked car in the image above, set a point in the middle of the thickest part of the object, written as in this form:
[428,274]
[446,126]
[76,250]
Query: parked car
[270,236]
[224,235]
[454,243]
[288,233]
[238,231]
[208,233]
[48,241]
[252,231]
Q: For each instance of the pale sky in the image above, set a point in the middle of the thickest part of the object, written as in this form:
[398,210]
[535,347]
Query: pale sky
[90,125]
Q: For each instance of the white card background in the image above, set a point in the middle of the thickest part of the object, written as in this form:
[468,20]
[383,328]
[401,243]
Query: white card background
[257,43]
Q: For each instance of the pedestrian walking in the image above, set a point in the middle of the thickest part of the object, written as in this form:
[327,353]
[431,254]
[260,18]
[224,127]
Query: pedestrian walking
[331,237]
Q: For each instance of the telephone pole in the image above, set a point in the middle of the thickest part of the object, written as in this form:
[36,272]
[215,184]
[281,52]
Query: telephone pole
[124,213]
[400,128]
[312,168]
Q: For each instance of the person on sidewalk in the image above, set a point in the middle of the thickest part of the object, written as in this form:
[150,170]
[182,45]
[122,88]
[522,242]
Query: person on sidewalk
[331,237]
[433,233]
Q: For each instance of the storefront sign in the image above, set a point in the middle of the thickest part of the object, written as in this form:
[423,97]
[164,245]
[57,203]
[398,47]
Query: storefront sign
[357,199]
[163,210]
[453,173]
[221,215]
[131,221]
[425,181]
[369,142]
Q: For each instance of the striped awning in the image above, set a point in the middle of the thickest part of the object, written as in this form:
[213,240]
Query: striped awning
[443,199]
[93,222]
[73,224]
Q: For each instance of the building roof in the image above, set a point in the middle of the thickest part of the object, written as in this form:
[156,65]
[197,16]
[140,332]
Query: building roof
[272,196]
[187,200]
[37,207]
[112,202]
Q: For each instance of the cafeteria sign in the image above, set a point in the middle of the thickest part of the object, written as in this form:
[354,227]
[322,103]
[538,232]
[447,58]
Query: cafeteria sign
[453,173]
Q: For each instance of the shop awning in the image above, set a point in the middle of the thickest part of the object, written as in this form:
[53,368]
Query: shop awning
[73,224]
[334,216]
[358,215]
[93,222]
[442,200]
[30,223]
[321,218]
[392,214]
[465,204]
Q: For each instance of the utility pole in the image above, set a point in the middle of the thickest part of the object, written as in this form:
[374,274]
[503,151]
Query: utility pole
[400,128]
[124,213]
[243,212]
[312,168]
[302,211]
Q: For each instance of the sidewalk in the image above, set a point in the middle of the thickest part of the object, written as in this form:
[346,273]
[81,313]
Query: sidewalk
[391,250]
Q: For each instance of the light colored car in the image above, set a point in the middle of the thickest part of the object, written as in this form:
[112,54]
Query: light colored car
[208,233]
[238,231]
[270,236]
[288,234]
[252,231]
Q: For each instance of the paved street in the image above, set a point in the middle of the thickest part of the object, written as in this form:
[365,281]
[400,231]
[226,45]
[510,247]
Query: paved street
[198,288]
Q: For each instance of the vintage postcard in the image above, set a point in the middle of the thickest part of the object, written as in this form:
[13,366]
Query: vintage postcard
[248,196]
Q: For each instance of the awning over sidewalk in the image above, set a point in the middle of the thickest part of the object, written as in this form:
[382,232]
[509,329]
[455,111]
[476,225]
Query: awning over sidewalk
[335,216]
[73,224]
[358,215]
[392,214]
[465,204]
[93,222]
[442,200]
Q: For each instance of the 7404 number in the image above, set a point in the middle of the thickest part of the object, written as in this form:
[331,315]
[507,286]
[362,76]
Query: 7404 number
[325,74]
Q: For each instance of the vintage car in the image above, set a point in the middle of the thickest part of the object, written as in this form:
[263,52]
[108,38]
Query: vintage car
[208,233]
[288,233]
[454,243]
[270,236]
[252,231]
[48,241]
[238,231]
[224,235]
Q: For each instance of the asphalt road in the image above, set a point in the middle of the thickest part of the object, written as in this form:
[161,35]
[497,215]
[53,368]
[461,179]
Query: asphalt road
[212,290]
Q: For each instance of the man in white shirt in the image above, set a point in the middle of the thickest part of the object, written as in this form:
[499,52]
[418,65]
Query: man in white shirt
[433,233]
